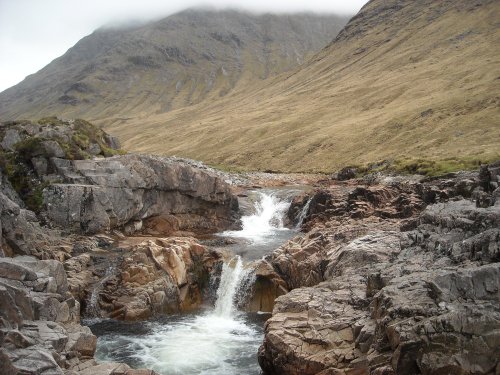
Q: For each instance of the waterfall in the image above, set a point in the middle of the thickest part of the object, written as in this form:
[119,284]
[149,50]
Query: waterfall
[222,340]
[92,309]
[267,219]
[303,213]
[232,283]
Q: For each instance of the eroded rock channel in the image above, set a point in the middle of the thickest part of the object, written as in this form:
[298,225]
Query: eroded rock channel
[181,269]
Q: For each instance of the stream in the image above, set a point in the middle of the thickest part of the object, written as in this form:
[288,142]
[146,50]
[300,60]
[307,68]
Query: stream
[218,340]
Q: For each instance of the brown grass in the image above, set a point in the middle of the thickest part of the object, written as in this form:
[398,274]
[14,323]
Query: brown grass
[421,85]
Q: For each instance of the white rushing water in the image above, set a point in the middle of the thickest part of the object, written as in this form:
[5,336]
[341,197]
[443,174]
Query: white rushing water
[267,220]
[92,310]
[263,229]
[222,341]
[303,214]
[231,280]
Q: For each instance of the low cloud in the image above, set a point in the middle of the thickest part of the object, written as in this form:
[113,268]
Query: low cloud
[34,32]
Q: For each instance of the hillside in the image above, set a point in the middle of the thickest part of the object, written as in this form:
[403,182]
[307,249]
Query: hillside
[404,80]
[168,64]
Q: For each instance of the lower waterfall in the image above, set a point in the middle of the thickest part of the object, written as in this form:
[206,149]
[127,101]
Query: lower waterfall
[223,339]
[220,341]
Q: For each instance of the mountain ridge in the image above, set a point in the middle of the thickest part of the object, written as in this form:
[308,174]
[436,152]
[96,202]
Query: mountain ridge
[404,81]
[169,63]
[412,84]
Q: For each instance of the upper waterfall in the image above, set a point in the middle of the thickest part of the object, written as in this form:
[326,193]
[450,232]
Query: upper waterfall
[267,219]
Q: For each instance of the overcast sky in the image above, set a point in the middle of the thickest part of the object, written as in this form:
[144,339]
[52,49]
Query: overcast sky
[34,32]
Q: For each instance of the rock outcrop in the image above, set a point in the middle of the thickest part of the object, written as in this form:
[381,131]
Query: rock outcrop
[123,191]
[20,229]
[154,277]
[72,176]
[39,330]
[61,182]
[375,300]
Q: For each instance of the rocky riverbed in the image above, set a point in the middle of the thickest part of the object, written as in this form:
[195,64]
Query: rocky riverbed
[389,275]
[393,276]
[70,201]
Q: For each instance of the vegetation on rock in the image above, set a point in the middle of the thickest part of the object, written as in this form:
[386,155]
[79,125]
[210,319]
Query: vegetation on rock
[25,163]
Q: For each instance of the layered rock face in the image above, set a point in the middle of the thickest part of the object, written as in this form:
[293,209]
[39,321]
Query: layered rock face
[39,323]
[66,173]
[39,330]
[63,183]
[369,298]
[122,191]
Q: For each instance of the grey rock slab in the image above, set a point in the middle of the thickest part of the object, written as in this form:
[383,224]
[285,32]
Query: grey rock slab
[10,139]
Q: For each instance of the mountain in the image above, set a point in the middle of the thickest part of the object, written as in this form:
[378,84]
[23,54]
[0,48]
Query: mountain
[171,63]
[412,82]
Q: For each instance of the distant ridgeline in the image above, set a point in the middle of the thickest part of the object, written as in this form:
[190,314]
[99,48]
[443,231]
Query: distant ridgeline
[413,83]
[167,64]
[409,85]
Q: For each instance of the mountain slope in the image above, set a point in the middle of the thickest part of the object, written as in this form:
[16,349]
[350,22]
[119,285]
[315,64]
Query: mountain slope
[405,79]
[168,64]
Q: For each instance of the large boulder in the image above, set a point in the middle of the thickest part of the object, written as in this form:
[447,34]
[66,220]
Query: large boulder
[66,174]
[123,190]
[20,229]
[154,277]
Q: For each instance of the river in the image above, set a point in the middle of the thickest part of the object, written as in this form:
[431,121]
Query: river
[220,339]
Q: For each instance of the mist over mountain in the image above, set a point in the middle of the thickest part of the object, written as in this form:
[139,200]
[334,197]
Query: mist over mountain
[403,81]
[180,243]
[167,64]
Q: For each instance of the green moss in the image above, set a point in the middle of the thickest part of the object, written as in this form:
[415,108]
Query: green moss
[82,140]
[87,133]
[6,165]
[52,121]
[72,151]
[34,199]
[17,167]
[434,168]
[108,151]
[29,148]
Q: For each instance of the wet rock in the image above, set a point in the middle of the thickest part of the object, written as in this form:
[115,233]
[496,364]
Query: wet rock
[299,261]
[422,301]
[267,287]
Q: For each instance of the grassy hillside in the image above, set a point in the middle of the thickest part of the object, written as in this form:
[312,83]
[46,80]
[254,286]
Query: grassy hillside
[405,81]
[175,62]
